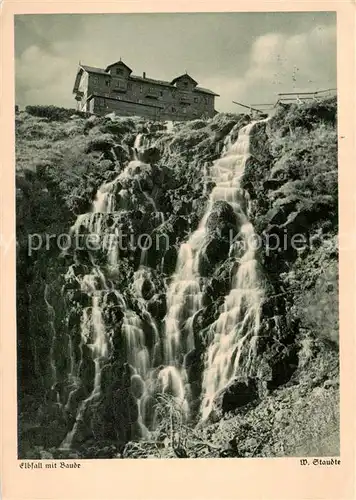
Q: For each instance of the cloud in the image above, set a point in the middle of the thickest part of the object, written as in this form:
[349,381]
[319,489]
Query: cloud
[282,63]
[252,68]
[41,76]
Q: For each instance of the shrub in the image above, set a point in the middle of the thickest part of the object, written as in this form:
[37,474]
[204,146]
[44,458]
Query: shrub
[306,115]
[117,126]
[54,113]
[103,142]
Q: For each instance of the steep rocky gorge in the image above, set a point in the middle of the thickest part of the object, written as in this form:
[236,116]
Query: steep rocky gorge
[119,344]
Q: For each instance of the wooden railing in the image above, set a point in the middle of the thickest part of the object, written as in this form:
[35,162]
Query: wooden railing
[288,97]
[299,97]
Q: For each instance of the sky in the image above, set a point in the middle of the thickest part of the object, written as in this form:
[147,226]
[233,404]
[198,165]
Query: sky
[244,57]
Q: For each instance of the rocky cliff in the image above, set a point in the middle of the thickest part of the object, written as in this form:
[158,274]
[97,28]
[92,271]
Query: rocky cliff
[115,338]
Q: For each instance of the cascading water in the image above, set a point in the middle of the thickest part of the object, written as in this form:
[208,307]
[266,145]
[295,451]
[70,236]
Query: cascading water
[157,357]
[92,328]
[51,321]
[239,323]
[95,337]
[236,326]
[112,198]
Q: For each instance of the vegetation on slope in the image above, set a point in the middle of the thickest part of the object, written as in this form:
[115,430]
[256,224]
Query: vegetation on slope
[62,159]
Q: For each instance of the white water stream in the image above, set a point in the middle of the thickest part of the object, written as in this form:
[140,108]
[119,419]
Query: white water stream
[234,331]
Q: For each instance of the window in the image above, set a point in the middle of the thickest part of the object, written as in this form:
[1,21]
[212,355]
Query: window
[185,84]
[107,83]
[119,71]
[95,80]
[121,84]
[161,93]
[173,109]
[129,86]
[195,99]
[206,100]
[141,88]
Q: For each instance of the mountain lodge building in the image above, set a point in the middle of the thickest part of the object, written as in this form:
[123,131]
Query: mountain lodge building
[115,89]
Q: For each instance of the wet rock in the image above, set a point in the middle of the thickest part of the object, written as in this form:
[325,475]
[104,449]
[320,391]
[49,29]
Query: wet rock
[194,363]
[215,251]
[79,269]
[125,412]
[113,314]
[238,393]
[283,361]
[279,213]
[122,154]
[137,386]
[81,298]
[147,289]
[157,306]
[150,155]
[222,219]
[220,283]
[114,298]
[74,319]
[169,260]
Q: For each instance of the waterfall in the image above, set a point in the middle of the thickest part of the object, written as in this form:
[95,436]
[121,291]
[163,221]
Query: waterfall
[157,354]
[113,197]
[51,321]
[94,335]
[93,330]
[238,324]
[105,198]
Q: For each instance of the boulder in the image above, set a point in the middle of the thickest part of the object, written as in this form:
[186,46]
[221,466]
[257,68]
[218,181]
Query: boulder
[147,289]
[280,212]
[122,153]
[169,260]
[237,394]
[150,155]
[137,386]
[157,306]
[221,219]
[215,251]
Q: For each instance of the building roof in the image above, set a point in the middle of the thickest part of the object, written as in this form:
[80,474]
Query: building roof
[91,69]
[205,91]
[118,63]
[101,71]
[185,76]
[151,80]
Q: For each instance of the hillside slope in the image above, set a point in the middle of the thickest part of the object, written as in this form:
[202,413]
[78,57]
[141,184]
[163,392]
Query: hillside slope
[284,401]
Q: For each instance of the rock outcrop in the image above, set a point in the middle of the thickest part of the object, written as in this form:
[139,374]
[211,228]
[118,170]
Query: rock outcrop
[157,192]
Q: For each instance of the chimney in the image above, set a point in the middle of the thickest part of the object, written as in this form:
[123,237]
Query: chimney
[144,74]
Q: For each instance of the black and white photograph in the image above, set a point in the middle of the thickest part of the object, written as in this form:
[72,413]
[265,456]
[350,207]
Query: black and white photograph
[177,222]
